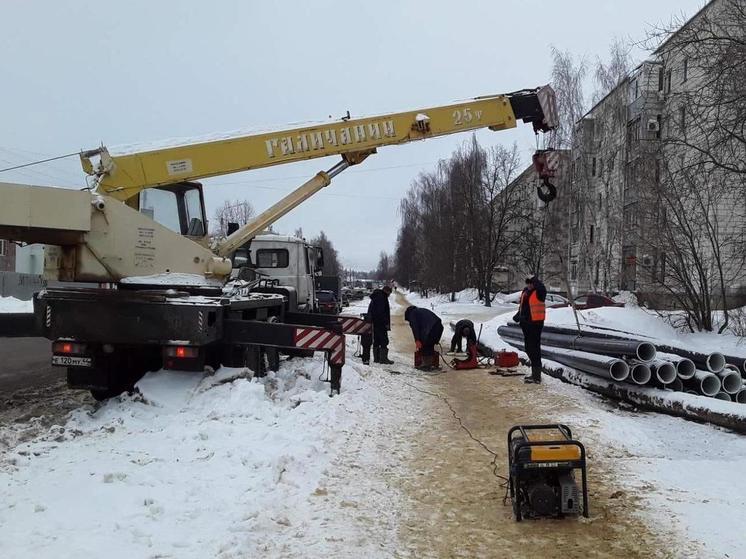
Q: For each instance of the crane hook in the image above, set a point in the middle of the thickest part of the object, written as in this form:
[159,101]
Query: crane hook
[547,197]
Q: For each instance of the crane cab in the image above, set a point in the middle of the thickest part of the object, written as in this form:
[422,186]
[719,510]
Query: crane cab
[179,207]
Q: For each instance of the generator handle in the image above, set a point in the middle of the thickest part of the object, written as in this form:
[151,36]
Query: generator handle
[522,428]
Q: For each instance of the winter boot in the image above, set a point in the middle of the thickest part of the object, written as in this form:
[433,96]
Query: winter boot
[383,356]
[376,354]
[535,376]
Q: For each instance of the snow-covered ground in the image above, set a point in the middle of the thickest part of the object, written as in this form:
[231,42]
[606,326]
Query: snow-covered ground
[11,304]
[215,466]
[689,475]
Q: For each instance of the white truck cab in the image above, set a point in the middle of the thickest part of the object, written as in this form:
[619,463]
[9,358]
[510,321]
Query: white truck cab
[289,260]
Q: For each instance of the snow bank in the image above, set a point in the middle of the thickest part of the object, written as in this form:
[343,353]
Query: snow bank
[193,466]
[11,304]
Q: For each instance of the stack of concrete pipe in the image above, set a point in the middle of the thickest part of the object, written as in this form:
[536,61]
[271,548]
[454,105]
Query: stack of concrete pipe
[626,360]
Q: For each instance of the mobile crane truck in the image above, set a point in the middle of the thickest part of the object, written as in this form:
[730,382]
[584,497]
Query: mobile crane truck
[141,231]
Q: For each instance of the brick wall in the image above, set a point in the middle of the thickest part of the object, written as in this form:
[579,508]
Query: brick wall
[7,256]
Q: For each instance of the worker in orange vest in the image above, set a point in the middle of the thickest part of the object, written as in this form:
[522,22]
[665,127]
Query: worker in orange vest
[530,315]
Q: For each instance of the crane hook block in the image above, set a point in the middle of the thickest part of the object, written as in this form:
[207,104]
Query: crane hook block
[548,196]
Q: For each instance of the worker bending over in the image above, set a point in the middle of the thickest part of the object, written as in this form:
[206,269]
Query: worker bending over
[427,330]
[379,315]
[530,315]
[463,329]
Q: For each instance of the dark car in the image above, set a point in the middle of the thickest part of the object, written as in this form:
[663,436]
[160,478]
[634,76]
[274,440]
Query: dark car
[594,301]
[327,302]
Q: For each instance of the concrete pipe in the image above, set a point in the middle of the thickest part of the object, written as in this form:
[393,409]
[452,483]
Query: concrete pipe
[706,383]
[740,397]
[723,396]
[640,373]
[731,380]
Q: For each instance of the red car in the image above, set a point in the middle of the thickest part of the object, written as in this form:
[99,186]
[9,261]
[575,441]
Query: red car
[594,301]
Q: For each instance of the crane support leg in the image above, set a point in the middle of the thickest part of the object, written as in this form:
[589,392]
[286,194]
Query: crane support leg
[329,339]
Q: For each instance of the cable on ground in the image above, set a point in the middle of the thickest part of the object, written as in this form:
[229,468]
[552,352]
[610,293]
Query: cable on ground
[504,480]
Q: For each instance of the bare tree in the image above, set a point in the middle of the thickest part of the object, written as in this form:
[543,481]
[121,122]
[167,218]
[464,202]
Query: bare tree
[610,74]
[384,268]
[332,267]
[568,77]
[236,211]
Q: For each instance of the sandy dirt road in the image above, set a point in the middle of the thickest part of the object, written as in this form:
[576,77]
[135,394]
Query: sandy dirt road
[456,503]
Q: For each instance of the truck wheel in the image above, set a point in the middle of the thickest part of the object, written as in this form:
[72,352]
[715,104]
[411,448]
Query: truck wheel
[102,395]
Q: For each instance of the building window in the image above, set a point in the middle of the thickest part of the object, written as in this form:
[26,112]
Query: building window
[590,237]
[659,120]
[660,79]
[637,88]
[593,167]
[685,70]
[2,247]
[668,81]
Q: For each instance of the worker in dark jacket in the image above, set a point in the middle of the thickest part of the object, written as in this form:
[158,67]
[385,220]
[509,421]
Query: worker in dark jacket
[530,315]
[463,329]
[379,314]
[426,328]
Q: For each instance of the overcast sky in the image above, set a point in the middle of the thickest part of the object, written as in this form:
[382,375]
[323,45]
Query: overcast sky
[76,74]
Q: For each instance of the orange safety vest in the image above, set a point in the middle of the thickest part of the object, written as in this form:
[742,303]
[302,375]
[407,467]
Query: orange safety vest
[537,309]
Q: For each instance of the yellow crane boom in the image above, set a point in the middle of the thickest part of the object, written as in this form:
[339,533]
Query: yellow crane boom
[123,176]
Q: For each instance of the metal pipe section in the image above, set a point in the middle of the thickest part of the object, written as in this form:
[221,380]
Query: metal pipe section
[598,365]
[706,382]
[738,362]
[731,380]
[643,351]
[663,371]
[676,385]
[713,362]
[723,396]
[640,373]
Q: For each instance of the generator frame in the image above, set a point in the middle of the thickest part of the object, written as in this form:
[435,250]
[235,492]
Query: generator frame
[517,468]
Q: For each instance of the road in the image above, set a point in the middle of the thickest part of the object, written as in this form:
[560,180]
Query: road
[24,363]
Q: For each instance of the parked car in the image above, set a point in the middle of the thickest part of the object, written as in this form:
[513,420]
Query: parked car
[594,301]
[327,302]
[554,301]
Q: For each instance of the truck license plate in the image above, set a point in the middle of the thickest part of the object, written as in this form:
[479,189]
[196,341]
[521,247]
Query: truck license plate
[67,361]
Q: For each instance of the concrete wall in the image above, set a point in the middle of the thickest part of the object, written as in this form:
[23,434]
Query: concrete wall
[20,286]
[30,259]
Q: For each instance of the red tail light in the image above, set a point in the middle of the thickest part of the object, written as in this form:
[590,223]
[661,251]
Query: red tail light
[182,352]
[68,348]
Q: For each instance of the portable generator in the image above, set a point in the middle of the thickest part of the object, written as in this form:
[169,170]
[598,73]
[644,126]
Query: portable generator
[542,460]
